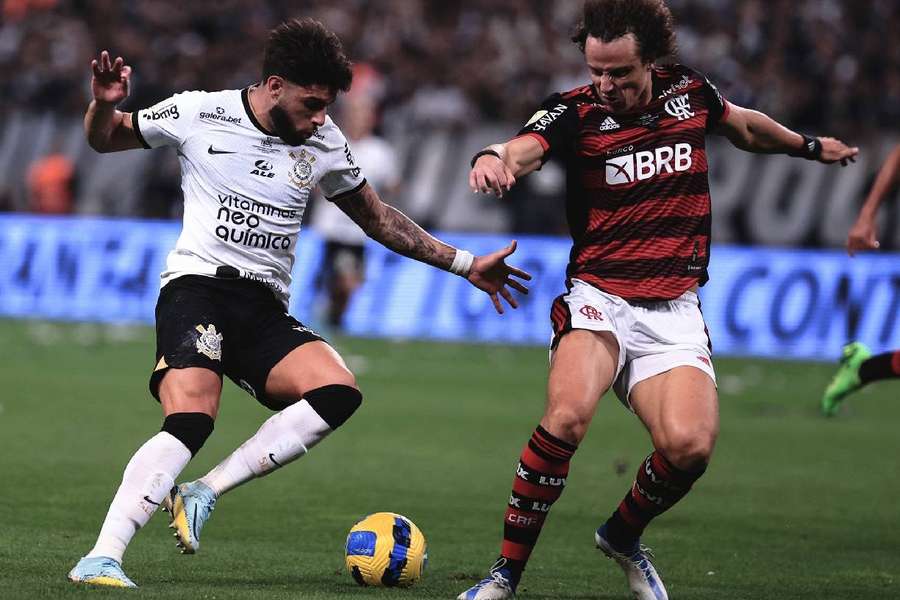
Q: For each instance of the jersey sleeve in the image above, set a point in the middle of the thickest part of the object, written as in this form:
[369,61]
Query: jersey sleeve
[167,123]
[717,106]
[554,125]
[343,177]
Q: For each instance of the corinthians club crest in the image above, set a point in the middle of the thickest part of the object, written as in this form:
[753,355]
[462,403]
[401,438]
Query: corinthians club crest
[209,342]
[302,171]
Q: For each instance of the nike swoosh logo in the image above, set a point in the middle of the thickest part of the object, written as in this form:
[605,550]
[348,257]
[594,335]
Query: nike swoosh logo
[147,498]
[214,151]
[272,458]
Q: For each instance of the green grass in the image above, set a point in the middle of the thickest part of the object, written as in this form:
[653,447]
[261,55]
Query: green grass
[794,506]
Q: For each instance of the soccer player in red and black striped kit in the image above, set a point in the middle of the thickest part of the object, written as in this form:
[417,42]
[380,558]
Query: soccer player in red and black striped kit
[633,142]
[858,366]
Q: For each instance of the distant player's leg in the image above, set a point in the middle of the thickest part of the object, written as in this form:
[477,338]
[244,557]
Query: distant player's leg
[582,369]
[858,367]
[680,410]
[347,274]
[847,379]
[192,396]
[315,374]
[881,366]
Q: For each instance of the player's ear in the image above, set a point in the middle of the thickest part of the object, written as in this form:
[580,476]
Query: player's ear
[275,85]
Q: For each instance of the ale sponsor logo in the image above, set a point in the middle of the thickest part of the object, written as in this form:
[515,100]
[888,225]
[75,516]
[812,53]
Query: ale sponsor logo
[263,168]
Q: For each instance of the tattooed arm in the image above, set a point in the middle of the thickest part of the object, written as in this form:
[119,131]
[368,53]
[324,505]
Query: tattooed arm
[390,227]
[396,231]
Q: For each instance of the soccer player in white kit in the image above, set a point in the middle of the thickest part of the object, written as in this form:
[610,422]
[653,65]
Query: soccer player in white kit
[343,264]
[249,159]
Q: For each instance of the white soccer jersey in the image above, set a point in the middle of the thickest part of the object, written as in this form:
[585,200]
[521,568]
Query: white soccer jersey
[244,188]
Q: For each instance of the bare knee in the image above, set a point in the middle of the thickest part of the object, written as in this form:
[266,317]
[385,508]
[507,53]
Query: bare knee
[566,423]
[336,376]
[689,449]
[345,377]
[190,390]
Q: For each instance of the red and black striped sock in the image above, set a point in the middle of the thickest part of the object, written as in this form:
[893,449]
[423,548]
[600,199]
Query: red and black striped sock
[658,486]
[540,479]
[882,366]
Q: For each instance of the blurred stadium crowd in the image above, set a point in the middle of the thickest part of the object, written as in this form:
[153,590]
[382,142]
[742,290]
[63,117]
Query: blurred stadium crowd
[828,66]
[807,62]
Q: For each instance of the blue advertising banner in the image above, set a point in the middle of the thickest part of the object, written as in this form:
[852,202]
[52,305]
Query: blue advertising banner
[767,302]
[800,303]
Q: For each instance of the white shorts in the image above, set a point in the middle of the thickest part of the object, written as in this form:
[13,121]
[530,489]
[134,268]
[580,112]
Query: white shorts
[653,337]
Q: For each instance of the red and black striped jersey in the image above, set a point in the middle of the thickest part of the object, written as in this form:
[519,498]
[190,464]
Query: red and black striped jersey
[638,192]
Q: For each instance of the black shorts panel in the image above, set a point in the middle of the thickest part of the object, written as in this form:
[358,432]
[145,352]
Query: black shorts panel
[274,336]
[233,327]
[184,314]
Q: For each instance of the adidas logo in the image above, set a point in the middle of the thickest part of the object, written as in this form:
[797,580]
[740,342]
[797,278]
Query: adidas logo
[608,124]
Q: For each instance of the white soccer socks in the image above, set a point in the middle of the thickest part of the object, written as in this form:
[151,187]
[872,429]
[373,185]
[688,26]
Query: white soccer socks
[148,477]
[283,438]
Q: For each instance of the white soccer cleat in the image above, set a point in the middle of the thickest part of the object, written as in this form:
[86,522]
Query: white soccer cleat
[100,570]
[190,505]
[642,577]
[496,586]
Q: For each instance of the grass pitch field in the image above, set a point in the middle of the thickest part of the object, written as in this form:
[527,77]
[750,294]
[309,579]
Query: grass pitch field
[794,506]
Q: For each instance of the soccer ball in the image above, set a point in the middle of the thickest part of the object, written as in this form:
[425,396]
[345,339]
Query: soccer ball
[386,549]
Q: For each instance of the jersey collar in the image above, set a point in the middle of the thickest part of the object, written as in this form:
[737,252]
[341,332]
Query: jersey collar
[245,98]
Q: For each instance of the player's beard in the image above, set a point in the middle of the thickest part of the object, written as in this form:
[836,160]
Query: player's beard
[284,128]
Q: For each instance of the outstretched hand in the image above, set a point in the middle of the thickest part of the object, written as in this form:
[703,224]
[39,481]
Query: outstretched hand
[110,79]
[834,150]
[491,274]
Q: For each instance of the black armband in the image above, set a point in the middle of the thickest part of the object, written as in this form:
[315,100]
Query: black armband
[482,153]
[811,149]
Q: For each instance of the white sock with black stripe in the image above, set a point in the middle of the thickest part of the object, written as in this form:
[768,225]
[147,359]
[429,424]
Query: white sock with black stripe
[148,477]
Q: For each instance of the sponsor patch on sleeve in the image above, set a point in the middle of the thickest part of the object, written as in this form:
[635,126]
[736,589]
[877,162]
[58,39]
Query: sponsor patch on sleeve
[538,115]
[544,118]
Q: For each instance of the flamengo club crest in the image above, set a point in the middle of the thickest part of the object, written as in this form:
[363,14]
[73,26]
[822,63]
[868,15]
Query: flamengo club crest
[209,342]
[301,172]
[591,313]
[680,107]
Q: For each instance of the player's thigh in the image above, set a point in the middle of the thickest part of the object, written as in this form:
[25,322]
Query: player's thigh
[192,389]
[307,367]
[280,359]
[193,341]
[582,368]
[680,409]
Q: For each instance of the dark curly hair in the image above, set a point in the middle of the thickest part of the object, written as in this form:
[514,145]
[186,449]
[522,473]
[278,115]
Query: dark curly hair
[304,52]
[649,20]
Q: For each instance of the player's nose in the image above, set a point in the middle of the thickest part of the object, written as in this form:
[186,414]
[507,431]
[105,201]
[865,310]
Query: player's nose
[319,118]
[606,85]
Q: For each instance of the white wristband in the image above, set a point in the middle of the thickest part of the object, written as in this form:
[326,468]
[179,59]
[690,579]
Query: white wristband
[462,263]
